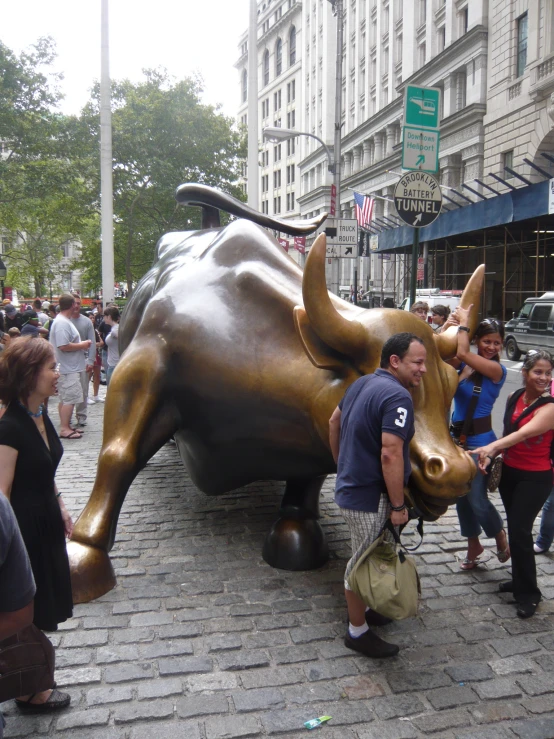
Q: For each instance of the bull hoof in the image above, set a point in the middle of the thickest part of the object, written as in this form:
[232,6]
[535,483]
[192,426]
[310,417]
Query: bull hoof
[294,544]
[92,573]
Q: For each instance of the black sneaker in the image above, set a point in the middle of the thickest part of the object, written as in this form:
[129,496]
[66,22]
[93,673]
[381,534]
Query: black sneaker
[371,645]
[506,587]
[526,610]
[372,618]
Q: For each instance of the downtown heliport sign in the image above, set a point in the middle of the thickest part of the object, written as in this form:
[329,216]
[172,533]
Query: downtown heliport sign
[420,133]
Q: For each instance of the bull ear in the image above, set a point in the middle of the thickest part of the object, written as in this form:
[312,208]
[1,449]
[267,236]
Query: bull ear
[447,342]
[319,353]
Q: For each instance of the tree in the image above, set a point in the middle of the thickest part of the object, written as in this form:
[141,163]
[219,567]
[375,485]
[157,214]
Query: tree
[46,183]
[162,136]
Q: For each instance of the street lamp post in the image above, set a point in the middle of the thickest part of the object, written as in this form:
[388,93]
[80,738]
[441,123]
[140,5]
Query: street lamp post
[3,273]
[274,133]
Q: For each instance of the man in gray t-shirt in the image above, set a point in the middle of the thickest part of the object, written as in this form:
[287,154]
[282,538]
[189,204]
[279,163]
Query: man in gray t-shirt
[86,332]
[17,585]
[71,354]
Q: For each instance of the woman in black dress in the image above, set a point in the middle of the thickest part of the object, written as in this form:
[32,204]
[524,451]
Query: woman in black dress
[30,452]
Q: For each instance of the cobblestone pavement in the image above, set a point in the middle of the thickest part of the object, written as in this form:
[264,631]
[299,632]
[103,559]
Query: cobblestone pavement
[202,639]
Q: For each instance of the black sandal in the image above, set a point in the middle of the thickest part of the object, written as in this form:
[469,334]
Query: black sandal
[55,702]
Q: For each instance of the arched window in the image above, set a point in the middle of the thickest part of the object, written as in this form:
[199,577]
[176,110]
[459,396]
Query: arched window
[266,67]
[244,85]
[292,46]
[278,57]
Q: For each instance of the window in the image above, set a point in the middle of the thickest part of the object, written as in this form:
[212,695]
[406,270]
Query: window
[244,86]
[422,11]
[521,44]
[277,100]
[463,20]
[265,158]
[291,169]
[539,317]
[278,13]
[291,119]
[291,91]
[277,178]
[441,34]
[461,91]
[292,46]
[265,208]
[266,67]
[244,120]
[508,161]
[265,108]
[422,53]
[277,153]
[291,147]
[278,57]
[265,183]
[277,205]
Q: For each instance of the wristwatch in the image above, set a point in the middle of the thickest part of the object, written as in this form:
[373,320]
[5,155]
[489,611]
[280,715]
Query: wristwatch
[464,328]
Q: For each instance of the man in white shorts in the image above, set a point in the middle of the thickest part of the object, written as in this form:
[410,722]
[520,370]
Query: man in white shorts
[71,355]
[86,332]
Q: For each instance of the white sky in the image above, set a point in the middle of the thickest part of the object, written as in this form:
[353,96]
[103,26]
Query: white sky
[185,36]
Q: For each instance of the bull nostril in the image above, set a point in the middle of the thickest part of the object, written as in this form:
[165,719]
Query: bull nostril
[435,467]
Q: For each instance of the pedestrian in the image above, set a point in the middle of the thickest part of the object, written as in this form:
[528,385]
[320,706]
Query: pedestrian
[97,365]
[71,354]
[526,472]
[479,374]
[420,309]
[86,332]
[439,315]
[38,306]
[31,325]
[111,317]
[30,452]
[13,318]
[369,434]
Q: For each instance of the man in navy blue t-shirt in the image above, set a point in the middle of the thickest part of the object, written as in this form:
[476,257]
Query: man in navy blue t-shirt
[369,433]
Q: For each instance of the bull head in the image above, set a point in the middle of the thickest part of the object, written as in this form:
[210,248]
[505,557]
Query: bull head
[347,340]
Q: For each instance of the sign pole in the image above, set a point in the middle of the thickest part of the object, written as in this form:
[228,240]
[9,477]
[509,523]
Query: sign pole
[415,254]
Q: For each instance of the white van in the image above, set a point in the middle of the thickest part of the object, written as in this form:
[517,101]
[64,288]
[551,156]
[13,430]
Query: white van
[434,296]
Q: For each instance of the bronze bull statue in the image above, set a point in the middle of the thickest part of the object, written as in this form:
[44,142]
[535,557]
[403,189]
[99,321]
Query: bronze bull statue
[242,357]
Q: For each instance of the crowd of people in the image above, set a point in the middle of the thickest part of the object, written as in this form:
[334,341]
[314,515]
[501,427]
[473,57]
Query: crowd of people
[54,351]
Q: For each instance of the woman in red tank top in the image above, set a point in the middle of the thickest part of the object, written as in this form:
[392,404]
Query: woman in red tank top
[526,473]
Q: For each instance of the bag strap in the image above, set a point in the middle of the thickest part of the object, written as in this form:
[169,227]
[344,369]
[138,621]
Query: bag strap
[396,536]
[478,381]
[510,427]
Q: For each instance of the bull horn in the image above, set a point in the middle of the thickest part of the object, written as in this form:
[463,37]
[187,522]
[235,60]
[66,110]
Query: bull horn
[447,342]
[347,337]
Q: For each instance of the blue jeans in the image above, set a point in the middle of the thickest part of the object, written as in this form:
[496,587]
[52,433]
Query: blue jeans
[109,373]
[475,511]
[546,534]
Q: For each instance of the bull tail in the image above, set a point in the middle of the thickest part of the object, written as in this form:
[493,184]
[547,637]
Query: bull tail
[212,201]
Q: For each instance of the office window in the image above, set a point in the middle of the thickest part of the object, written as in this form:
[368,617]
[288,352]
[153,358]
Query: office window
[463,20]
[291,91]
[422,11]
[277,100]
[278,57]
[422,54]
[291,169]
[508,161]
[441,35]
[265,208]
[277,205]
[292,46]
[277,178]
[266,67]
[521,44]
[291,147]
[277,153]
[244,86]
[291,119]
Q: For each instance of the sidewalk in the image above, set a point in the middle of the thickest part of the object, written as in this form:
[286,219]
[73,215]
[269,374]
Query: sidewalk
[202,640]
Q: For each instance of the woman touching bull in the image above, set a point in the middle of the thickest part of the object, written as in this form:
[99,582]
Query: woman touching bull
[481,377]
[526,472]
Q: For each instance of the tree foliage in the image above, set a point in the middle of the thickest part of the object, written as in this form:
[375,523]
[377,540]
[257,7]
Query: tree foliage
[163,135]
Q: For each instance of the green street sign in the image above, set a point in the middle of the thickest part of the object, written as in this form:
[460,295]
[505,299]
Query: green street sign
[422,106]
[420,149]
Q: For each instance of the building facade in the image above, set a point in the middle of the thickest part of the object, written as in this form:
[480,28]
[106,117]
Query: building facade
[387,44]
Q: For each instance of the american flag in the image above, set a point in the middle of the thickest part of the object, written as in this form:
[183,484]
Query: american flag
[364,209]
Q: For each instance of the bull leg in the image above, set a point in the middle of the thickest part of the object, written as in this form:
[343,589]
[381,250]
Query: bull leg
[296,540]
[136,424]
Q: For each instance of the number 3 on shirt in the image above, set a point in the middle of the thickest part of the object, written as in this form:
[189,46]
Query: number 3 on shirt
[401,420]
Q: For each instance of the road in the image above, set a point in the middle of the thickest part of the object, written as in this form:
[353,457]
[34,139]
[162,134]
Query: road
[202,640]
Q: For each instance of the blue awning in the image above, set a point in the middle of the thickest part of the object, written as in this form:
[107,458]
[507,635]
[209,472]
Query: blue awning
[517,205]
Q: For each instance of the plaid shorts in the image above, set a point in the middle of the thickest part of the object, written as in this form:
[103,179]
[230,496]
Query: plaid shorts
[364,527]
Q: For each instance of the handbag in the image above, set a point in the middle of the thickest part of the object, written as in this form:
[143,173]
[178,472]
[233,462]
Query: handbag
[495,473]
[27,663]
[460,431]
[385,579]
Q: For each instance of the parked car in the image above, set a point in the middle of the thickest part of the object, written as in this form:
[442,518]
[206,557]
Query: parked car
[532,328]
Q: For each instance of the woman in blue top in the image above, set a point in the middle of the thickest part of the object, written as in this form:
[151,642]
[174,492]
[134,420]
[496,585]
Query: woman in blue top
[475,510]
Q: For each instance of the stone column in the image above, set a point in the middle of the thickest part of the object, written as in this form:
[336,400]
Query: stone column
[366,146]
[357,152]
[390,140]
[347,163]
[450,168]
[378,139]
